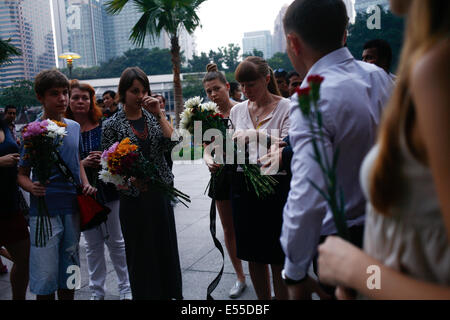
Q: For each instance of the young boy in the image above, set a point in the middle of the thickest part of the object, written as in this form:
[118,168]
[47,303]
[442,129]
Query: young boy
[52,265]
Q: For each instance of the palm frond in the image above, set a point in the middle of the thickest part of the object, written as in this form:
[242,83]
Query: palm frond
[115,6]
[7,50]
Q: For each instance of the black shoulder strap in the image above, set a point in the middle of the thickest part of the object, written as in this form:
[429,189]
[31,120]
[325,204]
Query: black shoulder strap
[65,171]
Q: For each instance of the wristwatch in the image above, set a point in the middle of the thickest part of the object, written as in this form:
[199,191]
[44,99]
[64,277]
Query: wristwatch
[290,282]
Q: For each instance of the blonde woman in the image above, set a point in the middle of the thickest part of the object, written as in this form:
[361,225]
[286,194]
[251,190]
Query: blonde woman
[406,176]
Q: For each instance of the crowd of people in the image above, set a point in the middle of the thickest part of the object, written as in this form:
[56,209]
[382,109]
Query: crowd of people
[391,133]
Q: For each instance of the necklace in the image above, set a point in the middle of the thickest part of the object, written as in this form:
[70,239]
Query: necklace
[141,135]
[257,116]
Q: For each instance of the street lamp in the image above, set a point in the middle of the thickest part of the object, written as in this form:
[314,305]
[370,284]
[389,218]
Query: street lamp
[69,56]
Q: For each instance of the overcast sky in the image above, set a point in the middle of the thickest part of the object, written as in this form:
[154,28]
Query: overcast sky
[225,21]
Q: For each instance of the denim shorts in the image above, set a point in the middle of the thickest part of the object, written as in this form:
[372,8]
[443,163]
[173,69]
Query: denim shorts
[57,265]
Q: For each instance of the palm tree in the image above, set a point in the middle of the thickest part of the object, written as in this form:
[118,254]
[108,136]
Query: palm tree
[7,50]
[163,15]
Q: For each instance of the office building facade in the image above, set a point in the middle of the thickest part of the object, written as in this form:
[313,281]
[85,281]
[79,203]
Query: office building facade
[28,25]
[259,40]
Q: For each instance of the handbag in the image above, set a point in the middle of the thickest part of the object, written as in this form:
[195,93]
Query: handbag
[92,212]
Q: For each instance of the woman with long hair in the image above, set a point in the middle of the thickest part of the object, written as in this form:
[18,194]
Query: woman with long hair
[406,176]
[217,89]
[257,222]
[84,110]
[146,214]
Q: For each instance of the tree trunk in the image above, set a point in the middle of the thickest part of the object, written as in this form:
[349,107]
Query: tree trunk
[176,64]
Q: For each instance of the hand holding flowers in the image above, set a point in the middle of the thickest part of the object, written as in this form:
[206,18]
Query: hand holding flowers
[41,140]
[207,115]
[123,165]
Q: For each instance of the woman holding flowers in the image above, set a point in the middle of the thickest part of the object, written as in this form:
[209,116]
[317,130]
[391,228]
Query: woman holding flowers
[14,235]
[146,214]
[83,109]
[406,176]
[264,117]
[55,226]
[217,88]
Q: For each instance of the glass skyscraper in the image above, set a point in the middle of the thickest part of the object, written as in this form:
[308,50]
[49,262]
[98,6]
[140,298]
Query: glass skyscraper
[28,25]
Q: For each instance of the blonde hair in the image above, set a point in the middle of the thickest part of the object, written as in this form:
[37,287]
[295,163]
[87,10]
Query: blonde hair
[428,22]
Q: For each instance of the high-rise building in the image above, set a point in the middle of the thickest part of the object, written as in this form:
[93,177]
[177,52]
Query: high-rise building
[259,40]
[362,5]
[84,27]
[117,30]
[28,25]
[85,30]
[279,37]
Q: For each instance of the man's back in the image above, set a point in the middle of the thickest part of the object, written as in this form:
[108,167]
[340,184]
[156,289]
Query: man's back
[353,95]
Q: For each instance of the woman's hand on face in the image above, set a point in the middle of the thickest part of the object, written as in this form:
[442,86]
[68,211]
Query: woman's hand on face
[151,105]
[10,160]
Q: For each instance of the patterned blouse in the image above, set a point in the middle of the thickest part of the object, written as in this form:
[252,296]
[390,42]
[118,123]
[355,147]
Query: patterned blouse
[118,127]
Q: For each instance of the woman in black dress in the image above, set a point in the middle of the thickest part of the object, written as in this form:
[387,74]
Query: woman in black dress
[217,89]
[146,214]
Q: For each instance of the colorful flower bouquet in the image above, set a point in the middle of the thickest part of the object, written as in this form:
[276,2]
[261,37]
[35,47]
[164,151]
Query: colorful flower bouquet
[123,162]
[210,118]
[333,195]
[41,139]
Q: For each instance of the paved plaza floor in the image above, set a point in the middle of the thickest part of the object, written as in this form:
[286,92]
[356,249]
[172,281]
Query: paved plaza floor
[200,260]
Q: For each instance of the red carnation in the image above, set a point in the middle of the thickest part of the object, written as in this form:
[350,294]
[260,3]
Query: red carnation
[315,78]
[302,91]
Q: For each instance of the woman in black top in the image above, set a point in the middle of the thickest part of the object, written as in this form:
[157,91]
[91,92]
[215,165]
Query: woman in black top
[14,234]
[146,214]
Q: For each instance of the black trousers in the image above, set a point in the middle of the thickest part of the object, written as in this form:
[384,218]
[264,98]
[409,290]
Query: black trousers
[356,234]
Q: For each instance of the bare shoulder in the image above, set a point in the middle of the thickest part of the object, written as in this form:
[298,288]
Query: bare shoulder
[433,68]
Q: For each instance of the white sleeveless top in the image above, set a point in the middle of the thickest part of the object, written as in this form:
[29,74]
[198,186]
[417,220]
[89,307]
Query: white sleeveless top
[413,240]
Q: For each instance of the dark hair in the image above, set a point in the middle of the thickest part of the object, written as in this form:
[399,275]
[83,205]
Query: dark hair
[254,68]
[48,79]
[320,23]
[383,49]
[292,74]
[213,73]
[234,86]
[9,106]
[127,78]
[95,113]
[156,95]
[281,73]
[111,93]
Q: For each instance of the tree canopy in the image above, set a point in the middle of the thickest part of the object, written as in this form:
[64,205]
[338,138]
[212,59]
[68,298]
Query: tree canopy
[20,94]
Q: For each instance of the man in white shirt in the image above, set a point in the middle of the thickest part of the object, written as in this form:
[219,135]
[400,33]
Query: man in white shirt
[353,96]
